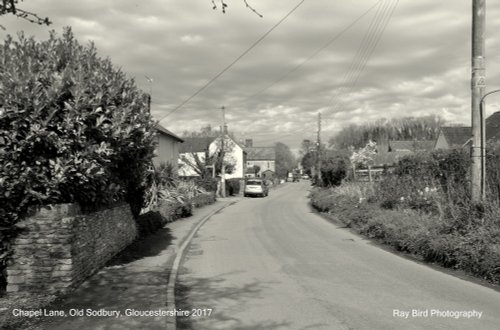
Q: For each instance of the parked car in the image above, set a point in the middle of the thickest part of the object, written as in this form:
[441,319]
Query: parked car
[305,177]
[256,187]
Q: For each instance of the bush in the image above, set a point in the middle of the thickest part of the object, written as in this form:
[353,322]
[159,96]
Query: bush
[203,199]
[232,187]
[208,183]
[334,170]
[462,240]
[73,128]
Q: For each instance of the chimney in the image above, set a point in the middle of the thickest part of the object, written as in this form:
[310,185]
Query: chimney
[249,143]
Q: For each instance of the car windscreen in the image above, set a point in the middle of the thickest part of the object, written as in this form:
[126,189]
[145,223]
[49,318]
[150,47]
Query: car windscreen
[254,183]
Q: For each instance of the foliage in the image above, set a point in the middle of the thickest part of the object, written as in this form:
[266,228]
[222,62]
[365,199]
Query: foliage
[203,162]
[334,170]
[308,161]
[407,128]
[471,245]
[285,160]
[73,127]
[364,156]
[232,187]
[208,183]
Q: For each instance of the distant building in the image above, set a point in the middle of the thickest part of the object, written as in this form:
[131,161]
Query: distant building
[197,148]
[459,137]
[410,146]
[453,137]
[262,157]
[167,148]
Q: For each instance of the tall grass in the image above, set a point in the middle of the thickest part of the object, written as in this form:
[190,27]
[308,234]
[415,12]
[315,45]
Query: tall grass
[425,209]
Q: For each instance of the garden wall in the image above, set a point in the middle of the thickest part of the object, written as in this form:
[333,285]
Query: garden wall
[59,246]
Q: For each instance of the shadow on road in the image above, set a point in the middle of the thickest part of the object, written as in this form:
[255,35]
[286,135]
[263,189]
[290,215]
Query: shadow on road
[205,290]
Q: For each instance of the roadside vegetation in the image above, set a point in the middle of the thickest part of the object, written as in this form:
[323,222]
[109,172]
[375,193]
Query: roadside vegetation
[423,207]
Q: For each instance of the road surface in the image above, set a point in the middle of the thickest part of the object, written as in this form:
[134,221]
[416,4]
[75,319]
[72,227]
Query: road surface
[272,263]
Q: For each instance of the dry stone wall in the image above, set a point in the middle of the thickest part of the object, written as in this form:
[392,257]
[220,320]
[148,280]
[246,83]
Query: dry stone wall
[59,246]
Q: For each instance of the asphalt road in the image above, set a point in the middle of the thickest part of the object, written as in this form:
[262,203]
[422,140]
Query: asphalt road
[272,263]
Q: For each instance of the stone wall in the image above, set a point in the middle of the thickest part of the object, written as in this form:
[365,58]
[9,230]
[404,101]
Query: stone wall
[59,246]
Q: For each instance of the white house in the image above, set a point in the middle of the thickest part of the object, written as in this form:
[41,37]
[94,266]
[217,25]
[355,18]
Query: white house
[261,158]
[194,151]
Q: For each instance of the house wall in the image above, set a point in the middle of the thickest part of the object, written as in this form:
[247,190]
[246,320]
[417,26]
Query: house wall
[263,164]
[234,155]
[441,142]
[167,150]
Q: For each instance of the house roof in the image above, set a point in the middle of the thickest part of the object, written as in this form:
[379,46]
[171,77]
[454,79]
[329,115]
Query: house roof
[415,145]
[260,153]
[196,144]
[493,126]
[456,135]
[163,130]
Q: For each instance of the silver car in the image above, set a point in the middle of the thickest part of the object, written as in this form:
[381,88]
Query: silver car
[256,187]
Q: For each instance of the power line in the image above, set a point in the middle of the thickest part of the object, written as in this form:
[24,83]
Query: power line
[235,61]
[365,51]
[319,50]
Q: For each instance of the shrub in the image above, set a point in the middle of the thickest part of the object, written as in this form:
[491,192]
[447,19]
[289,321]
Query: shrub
[333,171]
[203,199]
[232,187]
[207,183]
[73,128]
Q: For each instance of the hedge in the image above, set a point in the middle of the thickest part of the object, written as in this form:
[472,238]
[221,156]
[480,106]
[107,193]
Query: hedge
[73,128]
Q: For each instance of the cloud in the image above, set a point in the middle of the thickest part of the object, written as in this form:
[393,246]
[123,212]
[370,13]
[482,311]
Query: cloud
[420,66]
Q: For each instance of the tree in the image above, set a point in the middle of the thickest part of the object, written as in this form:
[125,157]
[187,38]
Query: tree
[223,6]
[285,160]
[407,128]
[365,155]
[308,161]
[10,7]
[203,162]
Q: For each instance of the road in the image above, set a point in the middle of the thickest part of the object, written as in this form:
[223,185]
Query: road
[272,263]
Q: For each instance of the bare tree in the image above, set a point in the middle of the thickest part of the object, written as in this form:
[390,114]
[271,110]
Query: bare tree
[10,7]
[223,6]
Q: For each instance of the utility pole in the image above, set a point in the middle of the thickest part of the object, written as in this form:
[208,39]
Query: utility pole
[478,84]
[319,147]
[150,80]
[223,168]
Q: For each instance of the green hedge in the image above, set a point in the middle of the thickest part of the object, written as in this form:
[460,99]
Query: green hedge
[73,127]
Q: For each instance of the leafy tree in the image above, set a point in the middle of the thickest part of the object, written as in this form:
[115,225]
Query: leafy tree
[73,127]
[285,160]
[334,169]
[203,162]
[308,161]
[365,155]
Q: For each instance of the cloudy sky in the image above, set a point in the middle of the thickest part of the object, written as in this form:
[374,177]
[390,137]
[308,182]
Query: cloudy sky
[353,61]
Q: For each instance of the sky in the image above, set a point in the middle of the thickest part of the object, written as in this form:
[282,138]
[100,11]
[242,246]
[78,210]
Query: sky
[352,61]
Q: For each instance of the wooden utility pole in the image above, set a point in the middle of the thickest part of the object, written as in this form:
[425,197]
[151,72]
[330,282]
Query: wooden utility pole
[319,147]
[222,154]
[478,84]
